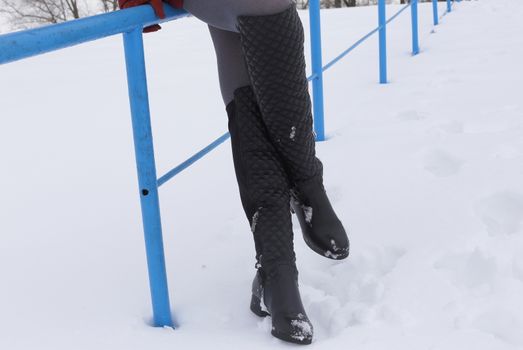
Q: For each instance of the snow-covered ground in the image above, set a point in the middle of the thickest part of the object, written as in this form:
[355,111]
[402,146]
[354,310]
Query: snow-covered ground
[425,172]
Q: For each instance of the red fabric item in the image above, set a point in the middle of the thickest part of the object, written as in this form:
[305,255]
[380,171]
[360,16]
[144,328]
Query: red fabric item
[157,6]
[152,29]
[175,3]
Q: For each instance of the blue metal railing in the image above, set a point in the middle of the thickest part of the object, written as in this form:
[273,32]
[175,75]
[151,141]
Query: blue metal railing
[20,45]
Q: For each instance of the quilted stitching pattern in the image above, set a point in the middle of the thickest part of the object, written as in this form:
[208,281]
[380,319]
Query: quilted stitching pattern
[273,49]
[264,188]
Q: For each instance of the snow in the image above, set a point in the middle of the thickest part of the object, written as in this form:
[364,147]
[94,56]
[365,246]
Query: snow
[255,220]
[292,135]
[303,329]
[425,172]
[307,213]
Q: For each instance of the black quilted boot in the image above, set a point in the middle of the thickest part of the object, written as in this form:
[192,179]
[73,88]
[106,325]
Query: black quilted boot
[273,49]
[264,192]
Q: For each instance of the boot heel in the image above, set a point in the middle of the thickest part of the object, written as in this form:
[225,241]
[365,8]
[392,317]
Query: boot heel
[256,307]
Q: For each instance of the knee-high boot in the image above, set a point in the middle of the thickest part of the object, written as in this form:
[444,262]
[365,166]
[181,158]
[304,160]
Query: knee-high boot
[264,192]
[273,50]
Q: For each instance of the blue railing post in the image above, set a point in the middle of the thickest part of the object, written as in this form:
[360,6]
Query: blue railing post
[414,15]
[435,12]
[144,150]
[317,69]
[383,41]
[449,6]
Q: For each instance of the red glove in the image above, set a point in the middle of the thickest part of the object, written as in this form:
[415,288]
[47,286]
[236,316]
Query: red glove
[157,6]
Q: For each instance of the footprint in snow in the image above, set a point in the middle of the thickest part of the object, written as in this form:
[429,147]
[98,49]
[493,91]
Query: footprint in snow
[471,270]
[411,115]
[501,213]
[441,164]
[486,126]
[444,80]
[446,71]
[509,150]
[502,323]
[517,267]
[452,127]
[349,293]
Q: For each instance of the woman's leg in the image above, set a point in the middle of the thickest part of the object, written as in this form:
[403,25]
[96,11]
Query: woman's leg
[222,18]
[224,14]
[271,40]
[268,53]
[264,191]
[232,70]
[262,180]
[274,53]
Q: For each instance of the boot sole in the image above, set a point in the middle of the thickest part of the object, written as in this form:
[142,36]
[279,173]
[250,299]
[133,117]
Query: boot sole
[325,253]
[289,339]
[258,311]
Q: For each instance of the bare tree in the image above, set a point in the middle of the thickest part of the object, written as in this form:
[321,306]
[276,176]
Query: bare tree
[109,5]
[28,13]
[303,4]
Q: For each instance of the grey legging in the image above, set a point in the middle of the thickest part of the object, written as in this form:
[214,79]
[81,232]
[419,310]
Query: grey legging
[221,16]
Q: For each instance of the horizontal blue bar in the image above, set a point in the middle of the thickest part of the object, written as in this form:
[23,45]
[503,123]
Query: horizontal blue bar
[178,169]
[19,45]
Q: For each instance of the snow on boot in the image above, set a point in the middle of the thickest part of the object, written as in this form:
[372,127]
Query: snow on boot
[264,192]
[277,295]
[322,230]
[273,49]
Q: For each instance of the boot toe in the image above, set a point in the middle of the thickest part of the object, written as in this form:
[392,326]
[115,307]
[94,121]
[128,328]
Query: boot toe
[336,251]
[338,244]
[329,240]
[295,329]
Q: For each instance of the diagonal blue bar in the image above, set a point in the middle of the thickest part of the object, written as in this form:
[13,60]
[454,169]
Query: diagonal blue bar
[178,169]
